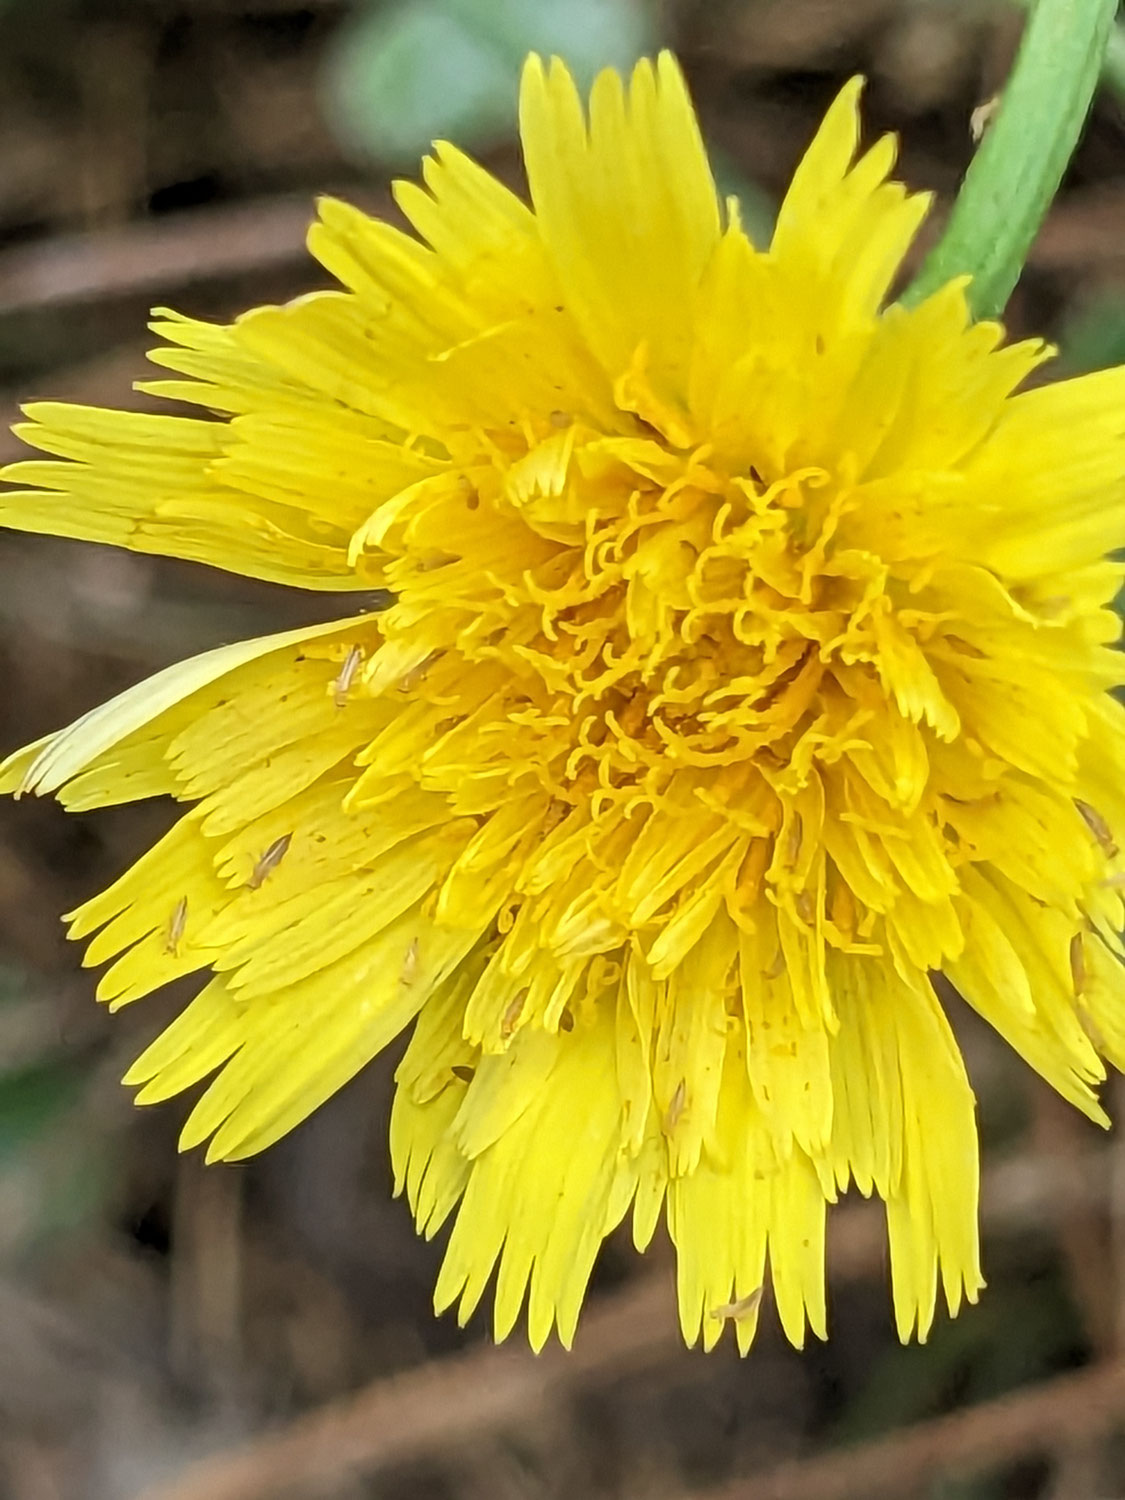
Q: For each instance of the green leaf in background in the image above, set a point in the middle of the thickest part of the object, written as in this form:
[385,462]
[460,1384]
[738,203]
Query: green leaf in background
[757,209]
[55,1171]
[1093,336]
[39,1080]
[32,1098]
[402,75]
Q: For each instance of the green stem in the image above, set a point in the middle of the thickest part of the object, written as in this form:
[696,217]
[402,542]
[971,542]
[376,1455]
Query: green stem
[1017,170]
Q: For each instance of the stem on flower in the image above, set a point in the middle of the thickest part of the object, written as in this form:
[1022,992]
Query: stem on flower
[1017,170]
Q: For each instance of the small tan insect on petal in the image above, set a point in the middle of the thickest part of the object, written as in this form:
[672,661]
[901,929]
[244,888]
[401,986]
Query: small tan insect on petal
[512,1015]
[409,963]
[1098,827]
[675,1107]
[176,928]
[269,861]
[793,841]
[982,117]
[843,911]
[742,1307]
[417,675]
[342,685]
[1078,972]
[556,812]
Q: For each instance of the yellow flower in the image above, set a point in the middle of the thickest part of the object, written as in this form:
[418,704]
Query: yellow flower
[748,664]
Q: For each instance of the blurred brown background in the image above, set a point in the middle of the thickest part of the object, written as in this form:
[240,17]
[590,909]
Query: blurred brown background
[271,1321]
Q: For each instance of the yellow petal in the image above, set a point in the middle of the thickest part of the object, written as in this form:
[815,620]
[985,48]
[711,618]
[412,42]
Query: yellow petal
[635,174]
[75,749]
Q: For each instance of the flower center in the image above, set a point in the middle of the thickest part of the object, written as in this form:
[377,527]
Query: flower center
[624,664]
[706,619]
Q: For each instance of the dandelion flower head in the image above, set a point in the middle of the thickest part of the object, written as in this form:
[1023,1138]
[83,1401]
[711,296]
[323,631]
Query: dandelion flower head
[748,666]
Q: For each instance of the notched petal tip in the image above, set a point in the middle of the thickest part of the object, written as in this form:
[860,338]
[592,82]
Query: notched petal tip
[40,411]
[18,771]
[668,68]
[854,87]
[839,131]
